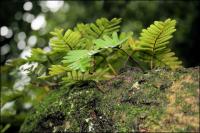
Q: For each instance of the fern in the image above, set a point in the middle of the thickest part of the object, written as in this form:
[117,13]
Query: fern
[101,27]
[153,45]
[79,59]
[62,43]
[108,42]
[92,51]
[57,70]
[73,76]
[37,55]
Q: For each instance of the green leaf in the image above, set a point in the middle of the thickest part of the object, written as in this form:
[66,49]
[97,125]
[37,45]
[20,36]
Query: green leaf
[108,42]
[101,27]
[79,59]
[63,43]
[57,70]
[37,55]
[154,43]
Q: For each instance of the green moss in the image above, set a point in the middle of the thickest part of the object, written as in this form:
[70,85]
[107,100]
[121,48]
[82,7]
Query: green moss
[132,101]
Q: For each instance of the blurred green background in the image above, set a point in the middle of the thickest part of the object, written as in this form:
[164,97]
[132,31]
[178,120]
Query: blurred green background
[26,24]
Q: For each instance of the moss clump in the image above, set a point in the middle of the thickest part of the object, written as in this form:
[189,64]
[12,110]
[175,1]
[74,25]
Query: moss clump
[159,100]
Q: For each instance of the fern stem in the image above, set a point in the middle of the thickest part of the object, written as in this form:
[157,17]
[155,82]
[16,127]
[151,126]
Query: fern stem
[69,46]
[82,73]
[49,59]
[133,60]
[111,67]
[76,75]
[153,51]
[155,58]
[71,75]
[92,65]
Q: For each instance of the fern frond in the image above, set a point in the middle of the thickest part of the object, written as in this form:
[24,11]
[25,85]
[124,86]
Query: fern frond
[73,76]
[57,70]
[108,42]
[101,27]
[168,59]
[62,43]
[37,55]
[79,59]
[154,41]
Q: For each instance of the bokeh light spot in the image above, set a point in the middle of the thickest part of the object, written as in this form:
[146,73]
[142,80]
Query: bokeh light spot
[38,22]
[47,49]
[28,17]
[54,6]
[4,31]
[9,34]
[21,36]
[26,53]
[28,6]
[32,41]
[5,49]
[21,44]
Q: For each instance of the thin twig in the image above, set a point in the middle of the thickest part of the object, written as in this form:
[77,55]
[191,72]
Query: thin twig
[49,59]
[110,66]
[133,60]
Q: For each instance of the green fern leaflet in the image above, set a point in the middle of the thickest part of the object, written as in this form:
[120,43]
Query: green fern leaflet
[37,55]
[57,70]
[79,59]
[108,42]
[102,27]
[66,42]
[153,45]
